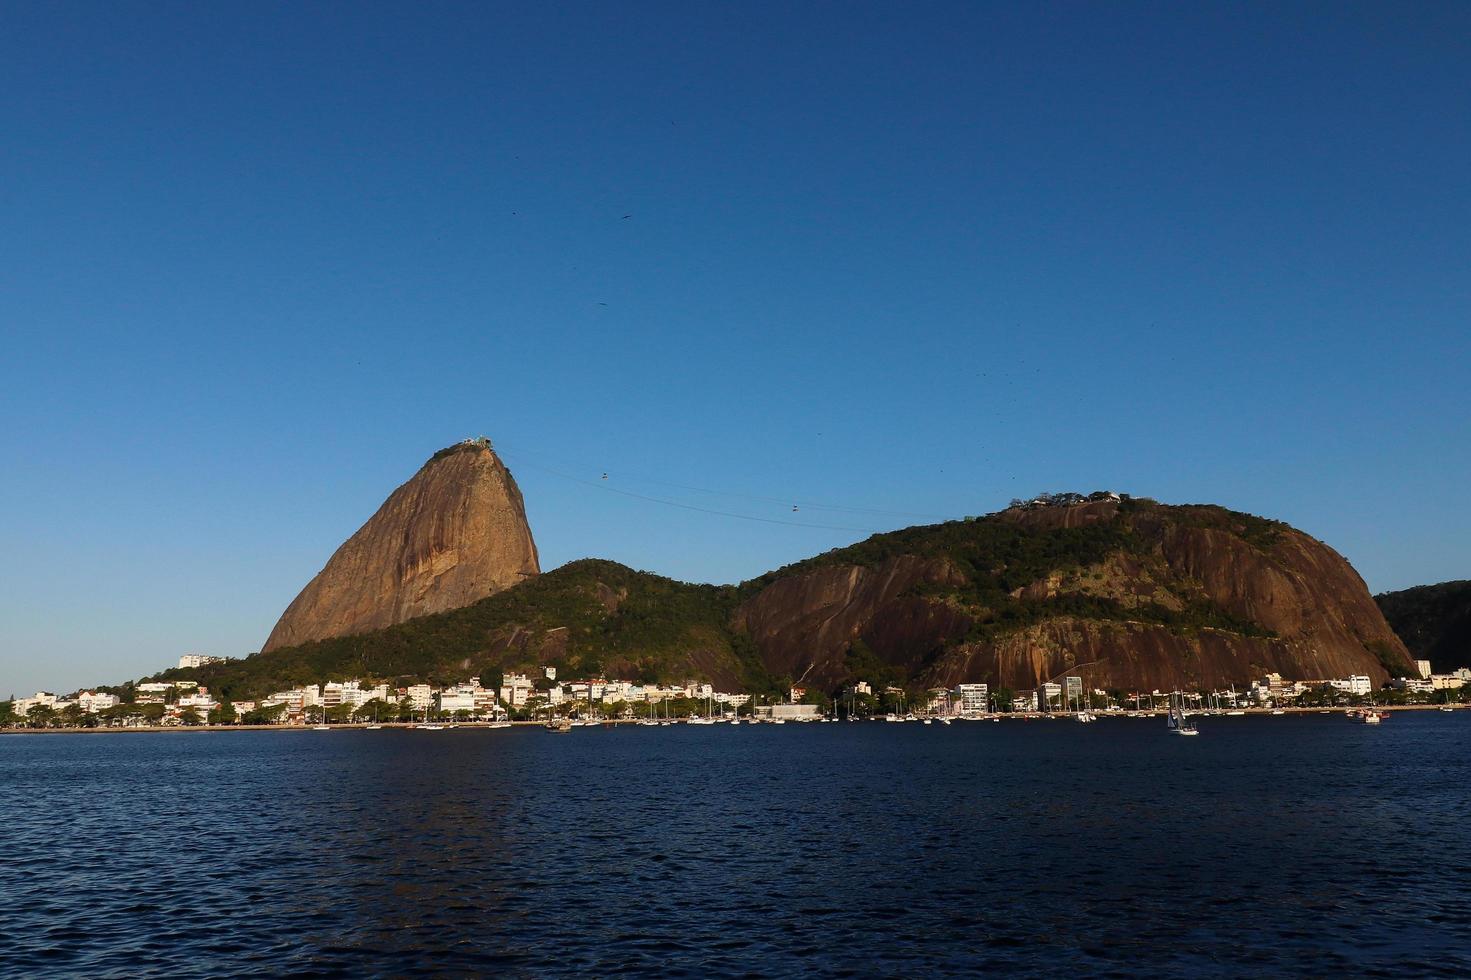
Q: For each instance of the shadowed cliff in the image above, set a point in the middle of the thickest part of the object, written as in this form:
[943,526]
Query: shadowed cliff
[1434,621]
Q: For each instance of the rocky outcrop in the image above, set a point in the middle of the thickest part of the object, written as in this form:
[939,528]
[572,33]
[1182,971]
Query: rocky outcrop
[1129,594]
[1181,597]
[804,624]
[452,535]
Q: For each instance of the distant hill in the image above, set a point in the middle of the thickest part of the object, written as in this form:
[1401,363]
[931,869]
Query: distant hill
[1434,621]
[1129,594]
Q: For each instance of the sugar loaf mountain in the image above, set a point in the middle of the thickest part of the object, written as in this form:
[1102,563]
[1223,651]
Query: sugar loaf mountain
[443,582]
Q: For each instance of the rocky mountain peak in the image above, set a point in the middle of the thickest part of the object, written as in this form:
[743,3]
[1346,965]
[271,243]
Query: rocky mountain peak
[455,533]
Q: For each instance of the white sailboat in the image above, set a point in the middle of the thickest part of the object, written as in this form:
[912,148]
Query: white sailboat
[1176,722]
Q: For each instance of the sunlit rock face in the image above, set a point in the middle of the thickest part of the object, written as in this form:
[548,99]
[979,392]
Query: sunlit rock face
[453,534]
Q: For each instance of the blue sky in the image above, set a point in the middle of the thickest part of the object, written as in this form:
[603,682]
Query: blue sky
[258,261]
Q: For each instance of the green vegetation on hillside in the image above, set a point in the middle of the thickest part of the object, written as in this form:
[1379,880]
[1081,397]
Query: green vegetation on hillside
[1259,532]
[999,557]
[613,616]
[1434,621]
[598,617]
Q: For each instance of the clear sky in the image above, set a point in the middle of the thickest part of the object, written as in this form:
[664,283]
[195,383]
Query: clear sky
[259,261]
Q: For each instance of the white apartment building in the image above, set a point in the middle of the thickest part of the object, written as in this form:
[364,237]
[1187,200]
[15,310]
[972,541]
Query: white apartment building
[23,706]
[618,691]
[201,703]
[191,660]
[974,698]
[515,689]
[1358,684]
[420,696]
[1423,666]
[294,700]
[457,699]
[92,702]
[1048,693]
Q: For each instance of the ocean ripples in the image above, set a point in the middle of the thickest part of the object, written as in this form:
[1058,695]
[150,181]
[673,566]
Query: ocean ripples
[1279,846]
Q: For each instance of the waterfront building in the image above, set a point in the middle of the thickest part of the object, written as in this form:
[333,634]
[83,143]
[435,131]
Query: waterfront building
[22,706]
[461,698]
[618,691]
[1423,666]
[1048,693]
[974,698]
[91,702]
[1357,684]
[294,701]
[515,689]
[1027,701]
[202,703]
[421,696]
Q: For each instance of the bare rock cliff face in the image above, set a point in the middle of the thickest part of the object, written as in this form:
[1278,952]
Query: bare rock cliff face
[452,535]
[804,624]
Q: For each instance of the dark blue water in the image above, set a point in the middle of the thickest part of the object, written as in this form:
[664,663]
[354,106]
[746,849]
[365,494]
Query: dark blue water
[1265,846]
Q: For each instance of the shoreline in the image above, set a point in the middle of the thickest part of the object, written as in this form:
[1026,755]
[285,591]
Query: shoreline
[410,726]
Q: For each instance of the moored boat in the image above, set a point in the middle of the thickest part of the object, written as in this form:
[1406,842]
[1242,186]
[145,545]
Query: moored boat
[1176,722]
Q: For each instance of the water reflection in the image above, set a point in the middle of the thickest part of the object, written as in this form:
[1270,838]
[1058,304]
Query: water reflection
[1283,845]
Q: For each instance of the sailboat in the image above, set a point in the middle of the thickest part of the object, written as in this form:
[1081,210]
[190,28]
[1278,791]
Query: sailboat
[426,727]
[1176,722]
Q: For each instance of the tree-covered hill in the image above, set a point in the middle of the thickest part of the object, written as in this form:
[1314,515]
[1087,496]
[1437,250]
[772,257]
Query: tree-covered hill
[585,618]
[1434,621]
[1153,594]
